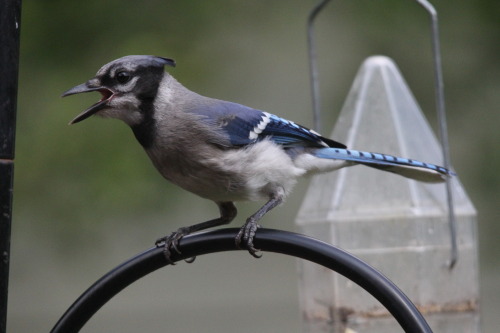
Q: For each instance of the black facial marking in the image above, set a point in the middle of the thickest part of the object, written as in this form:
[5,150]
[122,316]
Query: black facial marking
[146,90]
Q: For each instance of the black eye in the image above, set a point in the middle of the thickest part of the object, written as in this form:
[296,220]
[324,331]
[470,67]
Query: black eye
[123,77]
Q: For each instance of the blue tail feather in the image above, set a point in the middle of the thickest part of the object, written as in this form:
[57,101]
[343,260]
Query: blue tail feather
[376,159]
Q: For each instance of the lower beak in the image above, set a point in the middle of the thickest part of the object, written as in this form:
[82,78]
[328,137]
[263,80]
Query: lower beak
[107,94]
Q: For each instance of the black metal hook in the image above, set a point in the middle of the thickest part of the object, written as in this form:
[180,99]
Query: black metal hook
[313,66]
[443,128]
[300,246]
[440,104]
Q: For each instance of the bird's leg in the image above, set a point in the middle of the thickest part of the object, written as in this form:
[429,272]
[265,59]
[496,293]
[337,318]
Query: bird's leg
[247,232]
[227,214]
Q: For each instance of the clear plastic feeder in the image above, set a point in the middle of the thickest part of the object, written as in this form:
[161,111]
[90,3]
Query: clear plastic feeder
[397,225]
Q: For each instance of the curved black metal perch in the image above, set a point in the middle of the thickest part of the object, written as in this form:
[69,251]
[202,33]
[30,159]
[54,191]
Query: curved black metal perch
[277,241]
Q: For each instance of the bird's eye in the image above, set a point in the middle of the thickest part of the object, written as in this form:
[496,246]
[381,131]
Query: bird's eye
[123,77]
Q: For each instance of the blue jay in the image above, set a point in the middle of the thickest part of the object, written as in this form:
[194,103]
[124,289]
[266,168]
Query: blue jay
[220,150]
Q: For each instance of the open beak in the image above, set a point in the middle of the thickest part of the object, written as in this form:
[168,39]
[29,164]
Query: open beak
[107,95]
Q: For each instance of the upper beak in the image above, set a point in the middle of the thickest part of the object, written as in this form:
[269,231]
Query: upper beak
[89,86]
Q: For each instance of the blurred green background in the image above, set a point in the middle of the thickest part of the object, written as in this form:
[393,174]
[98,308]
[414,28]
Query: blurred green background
[87,198]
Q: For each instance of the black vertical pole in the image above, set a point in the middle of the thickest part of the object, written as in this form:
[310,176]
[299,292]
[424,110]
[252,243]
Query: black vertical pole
[10,22]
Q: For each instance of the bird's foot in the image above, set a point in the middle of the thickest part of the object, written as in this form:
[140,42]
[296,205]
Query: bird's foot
[246,235]
[171,242]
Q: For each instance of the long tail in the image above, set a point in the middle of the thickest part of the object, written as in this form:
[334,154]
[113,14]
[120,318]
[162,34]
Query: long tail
[409,168]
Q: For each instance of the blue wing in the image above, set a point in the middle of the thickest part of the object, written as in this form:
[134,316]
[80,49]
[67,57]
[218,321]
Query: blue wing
[243,126]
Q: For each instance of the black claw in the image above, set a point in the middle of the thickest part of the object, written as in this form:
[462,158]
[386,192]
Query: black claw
[160,241]
[253,251]
[166,243]
[172,242]
[190,260]
[247,234]
[255,255]
[175,242]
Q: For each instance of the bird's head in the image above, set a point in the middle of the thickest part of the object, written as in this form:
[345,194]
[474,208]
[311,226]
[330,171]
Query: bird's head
[125,85]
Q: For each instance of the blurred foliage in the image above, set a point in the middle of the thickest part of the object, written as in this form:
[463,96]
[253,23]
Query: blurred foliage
[250,52]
